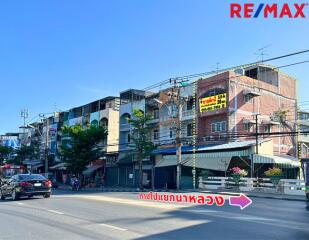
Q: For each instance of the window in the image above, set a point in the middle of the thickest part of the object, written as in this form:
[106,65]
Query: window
[171,132]
[156,113]
[189,130]
[267,129]
[218,126]
[190,104]
[102,105]
[247,127]
[252,73]
[129,138]
[156,134]
[248,98]
[212,93]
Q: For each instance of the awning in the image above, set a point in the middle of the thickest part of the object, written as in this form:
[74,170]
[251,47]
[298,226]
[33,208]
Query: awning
[267,122]
[251,121]
[218,161]
[59,166]
[212,147]
[126,158]
[285,160]
[92,168]
[251,92]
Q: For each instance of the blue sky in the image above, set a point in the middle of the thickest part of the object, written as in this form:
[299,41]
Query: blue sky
[69,53]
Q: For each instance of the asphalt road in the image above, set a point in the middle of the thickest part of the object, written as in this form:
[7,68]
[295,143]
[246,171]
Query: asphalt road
[123,216]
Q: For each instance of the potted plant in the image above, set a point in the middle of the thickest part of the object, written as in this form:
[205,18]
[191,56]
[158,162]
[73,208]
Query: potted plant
[238,173]
[275,174]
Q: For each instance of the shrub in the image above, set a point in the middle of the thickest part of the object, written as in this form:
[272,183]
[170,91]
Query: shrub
[238,170]
[273,172]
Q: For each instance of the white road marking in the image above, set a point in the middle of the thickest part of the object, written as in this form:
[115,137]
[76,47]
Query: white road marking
[19,203]
[53,211]
[253,218]
[113,227]
[137,202]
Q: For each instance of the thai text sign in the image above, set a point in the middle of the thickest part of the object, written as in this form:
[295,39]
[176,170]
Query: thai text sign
[213,103]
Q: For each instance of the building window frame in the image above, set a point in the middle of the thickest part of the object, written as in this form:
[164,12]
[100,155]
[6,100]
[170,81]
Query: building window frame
[189,130]
[267,128]
[248,98]
[171,132]
[218,126]
[248,127]
[156,134]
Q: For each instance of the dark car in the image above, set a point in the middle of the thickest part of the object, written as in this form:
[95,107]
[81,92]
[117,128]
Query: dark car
[25,185]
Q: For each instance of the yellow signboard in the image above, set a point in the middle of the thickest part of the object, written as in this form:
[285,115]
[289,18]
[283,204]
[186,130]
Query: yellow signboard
[213,103]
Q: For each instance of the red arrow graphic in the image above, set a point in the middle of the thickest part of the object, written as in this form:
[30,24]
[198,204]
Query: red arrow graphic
[242,201]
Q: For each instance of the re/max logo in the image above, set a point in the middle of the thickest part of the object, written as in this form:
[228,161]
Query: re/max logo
[250,10]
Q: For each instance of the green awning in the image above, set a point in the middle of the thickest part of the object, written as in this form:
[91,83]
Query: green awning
[214,161]
[284,160]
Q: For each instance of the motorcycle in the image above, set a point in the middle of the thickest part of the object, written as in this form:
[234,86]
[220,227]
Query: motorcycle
[75,185]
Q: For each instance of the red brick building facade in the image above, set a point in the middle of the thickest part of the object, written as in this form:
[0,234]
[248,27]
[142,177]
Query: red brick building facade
[260,90]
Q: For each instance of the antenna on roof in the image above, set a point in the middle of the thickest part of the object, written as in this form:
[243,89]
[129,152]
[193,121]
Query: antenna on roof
[262,52]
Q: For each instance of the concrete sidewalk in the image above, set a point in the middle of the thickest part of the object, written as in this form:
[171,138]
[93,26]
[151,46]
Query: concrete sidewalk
[222,192]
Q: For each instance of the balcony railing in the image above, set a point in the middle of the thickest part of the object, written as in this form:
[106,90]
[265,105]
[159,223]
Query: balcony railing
[187,113]
[125,127]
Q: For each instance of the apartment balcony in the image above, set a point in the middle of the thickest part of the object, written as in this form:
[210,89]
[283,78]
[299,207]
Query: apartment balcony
[154,120]
[125,127]
[187,114]
[304,138]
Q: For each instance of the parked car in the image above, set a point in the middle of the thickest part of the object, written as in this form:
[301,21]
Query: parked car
[25,185]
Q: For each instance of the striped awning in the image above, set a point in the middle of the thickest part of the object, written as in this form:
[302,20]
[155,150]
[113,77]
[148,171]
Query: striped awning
[285,160]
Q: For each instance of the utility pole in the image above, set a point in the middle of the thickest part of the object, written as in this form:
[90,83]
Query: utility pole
[178,141]
[179,101]
[256,142]
[45,145]
[256,135]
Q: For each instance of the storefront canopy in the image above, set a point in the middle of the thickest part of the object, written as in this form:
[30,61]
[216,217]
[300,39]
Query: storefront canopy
[284,160]
[92,168]
[59,166]
[218,161]
[211,147]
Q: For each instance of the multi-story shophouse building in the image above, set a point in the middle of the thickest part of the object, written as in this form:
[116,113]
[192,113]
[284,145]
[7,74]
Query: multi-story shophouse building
[231,107]
[162,110]
[103,112]
[125,172]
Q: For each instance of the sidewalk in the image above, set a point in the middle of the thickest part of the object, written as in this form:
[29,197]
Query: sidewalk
[222,192]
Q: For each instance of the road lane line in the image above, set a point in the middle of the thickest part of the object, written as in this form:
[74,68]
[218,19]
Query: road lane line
[113,227]
[19,203]
[53,211]
[150,204]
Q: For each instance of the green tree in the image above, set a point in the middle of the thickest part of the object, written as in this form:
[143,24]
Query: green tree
[4,153]
[141,131]
[81,146]
[25,152]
